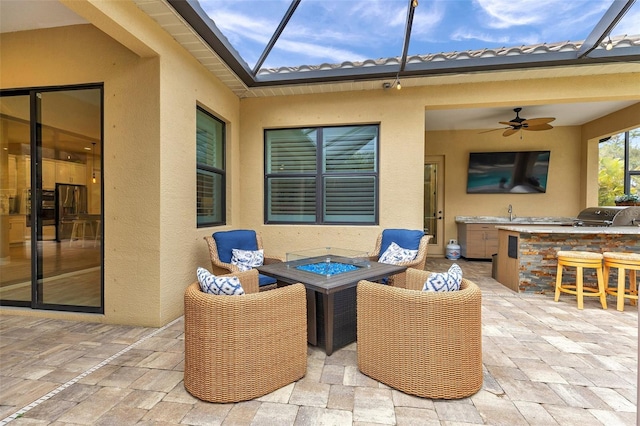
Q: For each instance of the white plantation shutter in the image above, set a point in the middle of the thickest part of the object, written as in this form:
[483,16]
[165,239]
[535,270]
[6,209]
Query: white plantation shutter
[349,154]
[341,188]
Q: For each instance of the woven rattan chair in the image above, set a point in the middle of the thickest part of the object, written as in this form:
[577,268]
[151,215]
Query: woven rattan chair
[422,343]
[242,347]
[246,240]
[397,235]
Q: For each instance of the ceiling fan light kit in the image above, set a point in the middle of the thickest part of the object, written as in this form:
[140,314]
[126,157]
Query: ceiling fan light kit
[520,123]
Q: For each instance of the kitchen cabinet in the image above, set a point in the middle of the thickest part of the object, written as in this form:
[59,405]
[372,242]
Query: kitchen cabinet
[48,172]
[17,229]
[477,240]
[72,173]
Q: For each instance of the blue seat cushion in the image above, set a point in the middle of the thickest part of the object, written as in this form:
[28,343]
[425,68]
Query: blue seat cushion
[265,280]
[406,238]
[226,241]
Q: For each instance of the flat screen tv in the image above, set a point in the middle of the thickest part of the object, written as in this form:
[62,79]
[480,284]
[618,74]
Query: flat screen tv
[521,172]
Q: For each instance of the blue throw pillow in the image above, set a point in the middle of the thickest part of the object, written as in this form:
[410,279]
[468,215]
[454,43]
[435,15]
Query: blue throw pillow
[211,284]
[444,281]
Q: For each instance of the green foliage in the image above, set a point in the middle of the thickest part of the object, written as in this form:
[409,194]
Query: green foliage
[611,166]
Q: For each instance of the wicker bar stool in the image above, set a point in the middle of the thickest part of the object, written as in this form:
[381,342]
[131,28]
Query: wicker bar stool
[624,262]
[581,260]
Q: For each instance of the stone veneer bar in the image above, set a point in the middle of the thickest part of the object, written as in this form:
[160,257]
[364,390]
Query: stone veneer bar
[534,267]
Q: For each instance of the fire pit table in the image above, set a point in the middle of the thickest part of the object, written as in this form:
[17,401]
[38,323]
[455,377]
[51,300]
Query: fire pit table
[330,276]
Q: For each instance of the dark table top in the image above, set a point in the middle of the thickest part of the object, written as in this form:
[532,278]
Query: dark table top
[287,272]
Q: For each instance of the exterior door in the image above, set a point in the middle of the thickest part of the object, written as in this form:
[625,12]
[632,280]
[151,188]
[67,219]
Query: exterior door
[433,203]
[52,256]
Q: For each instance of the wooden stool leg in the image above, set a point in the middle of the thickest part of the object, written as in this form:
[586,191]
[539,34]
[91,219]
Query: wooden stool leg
[620,297]
[579,287]
[633,286]
[601,288]
[558,282]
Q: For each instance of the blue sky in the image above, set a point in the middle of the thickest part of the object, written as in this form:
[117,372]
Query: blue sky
[335,31]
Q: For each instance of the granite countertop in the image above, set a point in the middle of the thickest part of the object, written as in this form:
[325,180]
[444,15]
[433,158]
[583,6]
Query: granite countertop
[618,230]
[499,220]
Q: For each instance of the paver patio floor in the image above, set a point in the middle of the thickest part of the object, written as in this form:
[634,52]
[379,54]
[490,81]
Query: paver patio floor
[545,363]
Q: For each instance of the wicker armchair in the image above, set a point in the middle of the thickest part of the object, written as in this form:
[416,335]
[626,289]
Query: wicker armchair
[401,237]
[220,253]
[242,347]
[421,343]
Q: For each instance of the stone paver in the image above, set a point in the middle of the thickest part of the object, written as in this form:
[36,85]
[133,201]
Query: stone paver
[545,363]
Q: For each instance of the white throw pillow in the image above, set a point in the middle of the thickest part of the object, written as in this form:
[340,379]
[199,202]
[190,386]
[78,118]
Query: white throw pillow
[247,259]
[394,254]
[444,281]
[211,284]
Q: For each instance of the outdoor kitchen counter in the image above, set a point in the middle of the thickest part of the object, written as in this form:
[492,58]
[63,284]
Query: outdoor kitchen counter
[567,229]
[527,262]
[502,220]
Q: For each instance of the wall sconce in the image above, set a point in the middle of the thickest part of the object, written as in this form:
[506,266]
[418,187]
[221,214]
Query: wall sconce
[609,45]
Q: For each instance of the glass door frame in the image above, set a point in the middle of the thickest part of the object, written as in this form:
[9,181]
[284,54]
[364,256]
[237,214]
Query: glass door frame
[36,170]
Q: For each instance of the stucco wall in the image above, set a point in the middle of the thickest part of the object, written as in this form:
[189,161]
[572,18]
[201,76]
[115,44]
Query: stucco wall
[401,114]
[152,245]
[561,199]
[401,166]
[152,86]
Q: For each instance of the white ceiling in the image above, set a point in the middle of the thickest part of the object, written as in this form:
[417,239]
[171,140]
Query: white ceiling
[20,15]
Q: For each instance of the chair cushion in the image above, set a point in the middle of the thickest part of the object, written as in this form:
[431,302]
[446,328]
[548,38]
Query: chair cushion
[444,281]
[265,280]
[395,254]
[407,238]
[211,284]
[247,259]
[243,239]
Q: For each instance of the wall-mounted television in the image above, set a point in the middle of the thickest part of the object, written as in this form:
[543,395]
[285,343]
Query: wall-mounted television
[519,172]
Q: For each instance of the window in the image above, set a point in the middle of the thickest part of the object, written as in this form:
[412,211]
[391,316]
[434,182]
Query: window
[322,175]
[619,166]
[210,169]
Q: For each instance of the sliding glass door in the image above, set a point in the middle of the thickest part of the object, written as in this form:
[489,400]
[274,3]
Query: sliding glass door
[52,150]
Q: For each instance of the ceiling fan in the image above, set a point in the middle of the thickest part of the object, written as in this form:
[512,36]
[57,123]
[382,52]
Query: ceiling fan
[519,123]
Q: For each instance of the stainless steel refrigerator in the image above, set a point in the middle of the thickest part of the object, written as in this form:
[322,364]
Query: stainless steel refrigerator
[71,204]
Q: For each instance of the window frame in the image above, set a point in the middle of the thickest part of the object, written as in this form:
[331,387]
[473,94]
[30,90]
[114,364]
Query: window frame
[207,169]
[321,175]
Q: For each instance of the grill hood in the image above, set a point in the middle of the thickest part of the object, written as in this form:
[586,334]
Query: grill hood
[609,216]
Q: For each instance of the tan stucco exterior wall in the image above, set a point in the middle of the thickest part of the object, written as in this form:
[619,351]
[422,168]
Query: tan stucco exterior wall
[401,121]
[401,117]
[152,245]
[561,199]
[151,89]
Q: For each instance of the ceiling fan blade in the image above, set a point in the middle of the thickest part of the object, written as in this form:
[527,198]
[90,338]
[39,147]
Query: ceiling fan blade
[537,121]
[492,130]
[509,132]
[539,127]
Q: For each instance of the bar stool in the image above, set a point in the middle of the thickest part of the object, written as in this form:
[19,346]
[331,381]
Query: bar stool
[79,231]
[98,234]
[622,261]
[581,260]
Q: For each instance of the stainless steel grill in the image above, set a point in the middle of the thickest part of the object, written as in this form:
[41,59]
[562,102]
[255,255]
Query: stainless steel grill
[609,216]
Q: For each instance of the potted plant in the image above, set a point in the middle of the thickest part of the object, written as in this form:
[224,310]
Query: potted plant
[627,200]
